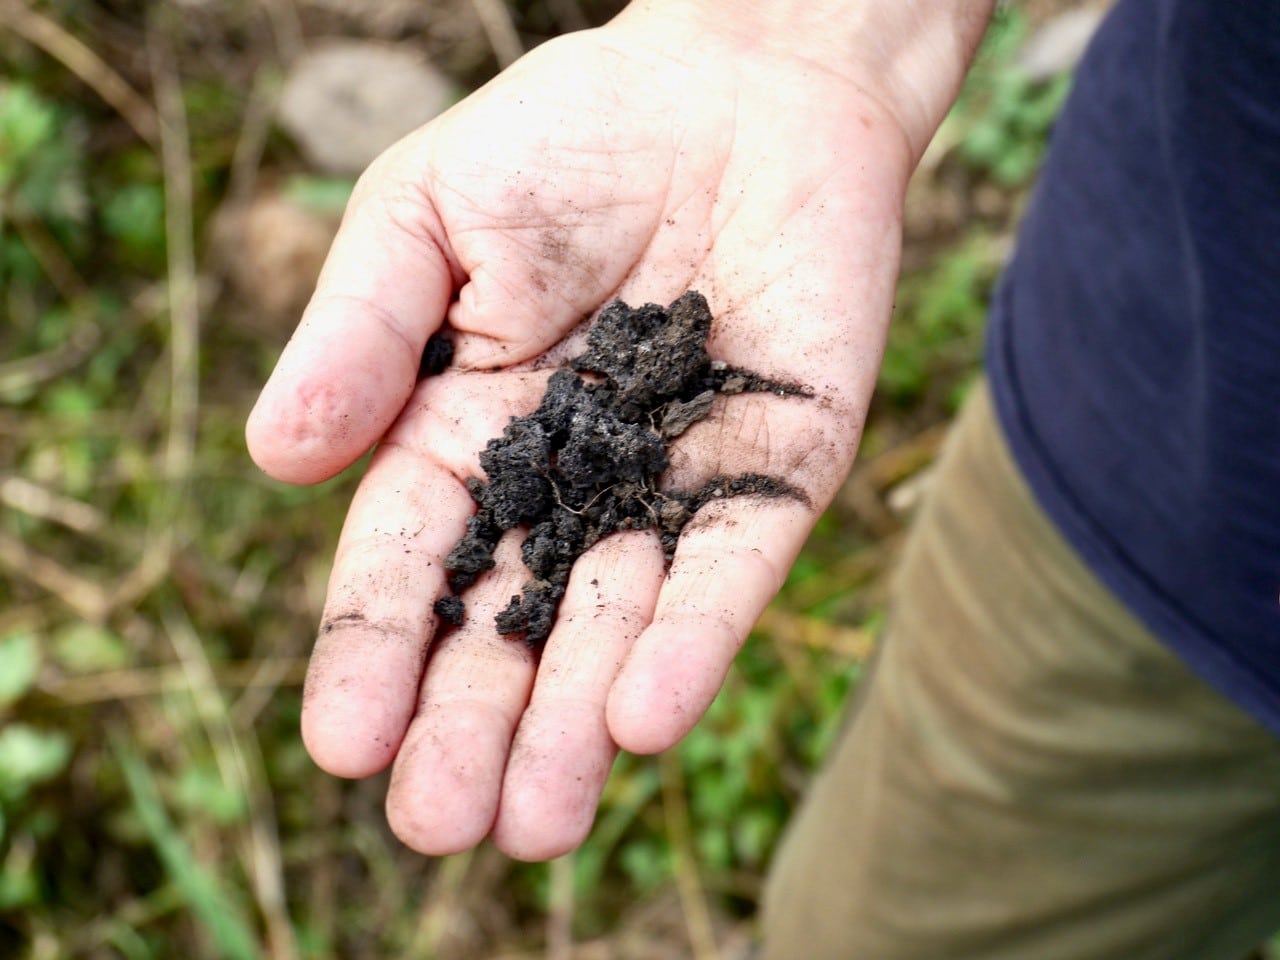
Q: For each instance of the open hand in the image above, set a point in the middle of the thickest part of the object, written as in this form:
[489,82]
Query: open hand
[636,162]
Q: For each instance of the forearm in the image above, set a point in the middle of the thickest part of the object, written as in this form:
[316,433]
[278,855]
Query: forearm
[911,55]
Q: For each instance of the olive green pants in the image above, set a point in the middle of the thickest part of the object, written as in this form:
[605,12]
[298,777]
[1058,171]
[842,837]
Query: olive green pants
[1028,774]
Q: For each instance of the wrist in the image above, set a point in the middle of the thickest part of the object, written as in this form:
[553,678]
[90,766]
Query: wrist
[909,55]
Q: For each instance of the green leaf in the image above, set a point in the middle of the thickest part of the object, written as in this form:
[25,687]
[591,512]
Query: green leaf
[41,157]
[29,756]
[19,663]
[203,792]
[134,215]
[320,194]
[755,831]
[71,400]
[715,846]
[18,887]
[85,648]
[26,123]
[646,864]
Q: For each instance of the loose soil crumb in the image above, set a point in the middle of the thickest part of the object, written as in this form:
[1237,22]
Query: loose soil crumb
[588,461]
[436,357]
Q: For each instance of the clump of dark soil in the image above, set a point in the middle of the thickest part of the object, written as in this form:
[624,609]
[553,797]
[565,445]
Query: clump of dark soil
[588,461]
[436,357]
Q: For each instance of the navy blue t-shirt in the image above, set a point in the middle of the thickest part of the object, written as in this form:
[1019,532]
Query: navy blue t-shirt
[1135,341]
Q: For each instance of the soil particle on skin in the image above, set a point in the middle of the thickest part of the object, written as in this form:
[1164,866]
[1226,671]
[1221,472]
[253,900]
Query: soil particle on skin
[450,610]
[588,461]
[436,356]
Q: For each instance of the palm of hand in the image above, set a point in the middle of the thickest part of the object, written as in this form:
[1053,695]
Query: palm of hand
[772,188]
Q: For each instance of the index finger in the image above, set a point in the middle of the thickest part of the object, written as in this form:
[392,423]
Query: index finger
[352,363]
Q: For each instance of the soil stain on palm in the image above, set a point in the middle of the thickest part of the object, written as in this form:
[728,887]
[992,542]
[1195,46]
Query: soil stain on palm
[588,461]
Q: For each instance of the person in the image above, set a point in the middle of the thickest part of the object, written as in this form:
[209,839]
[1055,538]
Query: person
[1067,747]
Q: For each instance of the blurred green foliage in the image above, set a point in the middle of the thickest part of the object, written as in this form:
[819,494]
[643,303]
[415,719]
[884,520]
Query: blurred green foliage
[322,194]
[994,138]
[940,316]
[41,159]
[1002,117]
